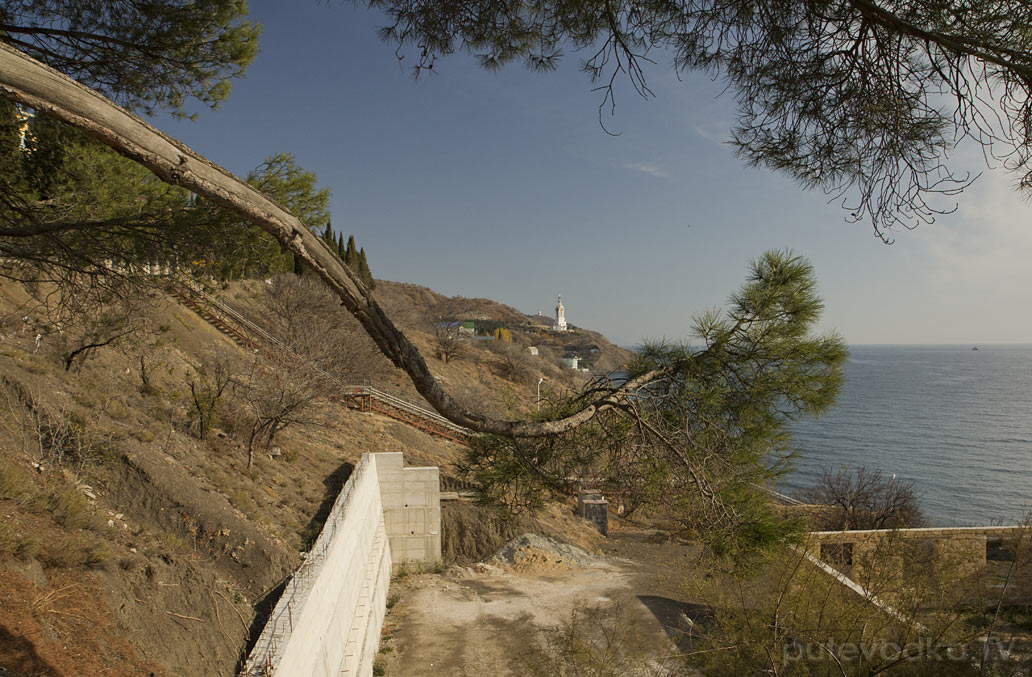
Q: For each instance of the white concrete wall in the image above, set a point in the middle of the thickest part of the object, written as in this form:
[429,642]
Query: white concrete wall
[411,508]
[327,621]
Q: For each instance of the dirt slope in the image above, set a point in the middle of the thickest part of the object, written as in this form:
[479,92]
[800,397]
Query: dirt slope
[128,545]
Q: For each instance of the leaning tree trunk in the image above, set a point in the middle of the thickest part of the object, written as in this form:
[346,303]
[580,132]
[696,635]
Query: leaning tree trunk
[33,84]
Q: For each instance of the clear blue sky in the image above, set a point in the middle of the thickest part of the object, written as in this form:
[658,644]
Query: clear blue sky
[504,185]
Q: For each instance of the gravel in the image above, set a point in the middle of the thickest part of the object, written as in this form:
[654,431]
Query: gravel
[509,553]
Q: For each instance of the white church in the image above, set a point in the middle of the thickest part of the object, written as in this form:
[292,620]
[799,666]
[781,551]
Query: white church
[560,316]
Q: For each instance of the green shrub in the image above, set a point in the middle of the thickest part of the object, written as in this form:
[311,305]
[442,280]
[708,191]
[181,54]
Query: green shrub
[64,552]
[75,552]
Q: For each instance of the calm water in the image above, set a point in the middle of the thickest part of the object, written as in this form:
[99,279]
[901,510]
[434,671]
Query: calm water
[955,421]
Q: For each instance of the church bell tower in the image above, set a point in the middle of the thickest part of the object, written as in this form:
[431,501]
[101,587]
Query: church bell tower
[560,315]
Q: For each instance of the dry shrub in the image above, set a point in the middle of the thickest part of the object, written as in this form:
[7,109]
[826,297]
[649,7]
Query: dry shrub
[15,483]
[50,435]
[604,641]
[15,544]
[70,509]
[861,498]
[74,552]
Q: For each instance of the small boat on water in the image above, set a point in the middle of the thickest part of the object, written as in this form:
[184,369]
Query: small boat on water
[975,348]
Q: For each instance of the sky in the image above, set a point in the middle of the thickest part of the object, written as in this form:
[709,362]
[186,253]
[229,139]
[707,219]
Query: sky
[504,185]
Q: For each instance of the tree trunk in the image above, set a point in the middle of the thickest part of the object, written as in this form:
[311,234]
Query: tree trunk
[33,84]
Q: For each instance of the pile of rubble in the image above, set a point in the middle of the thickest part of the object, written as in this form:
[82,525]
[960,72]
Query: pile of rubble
[531,552]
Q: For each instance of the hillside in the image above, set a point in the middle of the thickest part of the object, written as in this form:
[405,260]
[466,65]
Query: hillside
[135,539]
[415,305]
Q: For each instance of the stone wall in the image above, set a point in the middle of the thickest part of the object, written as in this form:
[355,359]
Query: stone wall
[880,555]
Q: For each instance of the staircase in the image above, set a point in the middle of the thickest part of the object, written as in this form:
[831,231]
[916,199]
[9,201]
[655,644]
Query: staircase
[366,398]
[210,314]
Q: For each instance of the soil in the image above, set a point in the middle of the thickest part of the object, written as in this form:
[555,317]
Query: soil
[470,533]
[491,618]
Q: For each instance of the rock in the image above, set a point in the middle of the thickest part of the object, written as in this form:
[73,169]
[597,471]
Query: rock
[511,551]
[483,568]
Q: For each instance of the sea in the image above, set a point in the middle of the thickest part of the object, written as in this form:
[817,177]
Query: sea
[954,420]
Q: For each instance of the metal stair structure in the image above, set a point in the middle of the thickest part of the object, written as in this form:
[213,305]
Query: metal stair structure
[365,398]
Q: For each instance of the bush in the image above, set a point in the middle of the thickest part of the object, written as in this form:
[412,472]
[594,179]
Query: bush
[70,552]
[70,509]
[864,499]
[15,485]
[14,544]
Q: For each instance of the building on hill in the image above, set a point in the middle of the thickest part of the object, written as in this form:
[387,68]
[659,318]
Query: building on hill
[24,117]
[560,316]
[464,327]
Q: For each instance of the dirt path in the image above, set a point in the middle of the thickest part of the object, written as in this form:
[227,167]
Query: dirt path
[485,621]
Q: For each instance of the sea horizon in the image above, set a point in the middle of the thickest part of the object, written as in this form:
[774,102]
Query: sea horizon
[954,421]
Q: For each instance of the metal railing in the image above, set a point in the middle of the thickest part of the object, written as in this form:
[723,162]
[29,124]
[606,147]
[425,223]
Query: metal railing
[778,496]
[404,405]
[267,651]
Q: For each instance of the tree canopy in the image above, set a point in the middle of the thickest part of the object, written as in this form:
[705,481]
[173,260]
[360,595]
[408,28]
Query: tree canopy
[864,99]
[70,202]
[281,178]
[683,418]
[25,81]
[709,425]
[144,54]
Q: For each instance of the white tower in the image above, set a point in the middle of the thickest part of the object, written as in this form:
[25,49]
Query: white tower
[560,315]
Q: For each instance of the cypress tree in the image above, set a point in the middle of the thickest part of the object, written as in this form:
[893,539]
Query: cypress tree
[340,246]
[328,235]
[363,270]
[350,255]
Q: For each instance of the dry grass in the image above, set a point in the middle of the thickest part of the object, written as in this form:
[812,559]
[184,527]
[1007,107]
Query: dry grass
[76,551]
[15,544]
[42,620]
[15,483]
[70,509]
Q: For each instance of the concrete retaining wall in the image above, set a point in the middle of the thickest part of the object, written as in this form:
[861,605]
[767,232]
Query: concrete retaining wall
[327,621]
[411,508]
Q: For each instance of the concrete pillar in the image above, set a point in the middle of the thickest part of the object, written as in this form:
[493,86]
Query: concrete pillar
[586,495]
[597,512]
